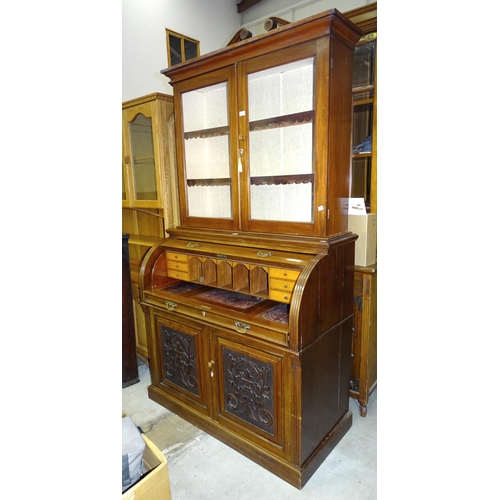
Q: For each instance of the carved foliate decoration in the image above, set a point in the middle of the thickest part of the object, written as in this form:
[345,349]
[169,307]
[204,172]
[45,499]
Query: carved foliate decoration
[370,37]
[179,359]
[249,389]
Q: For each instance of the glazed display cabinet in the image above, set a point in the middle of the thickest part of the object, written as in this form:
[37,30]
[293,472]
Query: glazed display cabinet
[364,185]
[149,202]
[249,302]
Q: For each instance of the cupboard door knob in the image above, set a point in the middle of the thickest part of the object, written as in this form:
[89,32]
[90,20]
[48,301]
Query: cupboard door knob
[211,364]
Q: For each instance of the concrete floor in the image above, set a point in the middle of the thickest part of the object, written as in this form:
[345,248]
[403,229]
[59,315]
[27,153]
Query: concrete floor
[201,467]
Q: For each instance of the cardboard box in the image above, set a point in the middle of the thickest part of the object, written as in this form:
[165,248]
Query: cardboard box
[155,483]
[365,226]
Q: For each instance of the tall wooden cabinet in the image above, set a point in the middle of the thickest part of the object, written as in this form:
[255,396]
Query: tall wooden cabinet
[249,302]
[364,185]
[149,200]
[364,97]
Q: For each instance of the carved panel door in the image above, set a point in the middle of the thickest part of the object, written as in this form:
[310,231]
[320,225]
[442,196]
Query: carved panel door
[248,391]
[183,372]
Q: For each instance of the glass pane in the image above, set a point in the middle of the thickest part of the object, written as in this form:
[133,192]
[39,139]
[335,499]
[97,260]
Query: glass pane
[281,115]
[190,50]
[281,151]
[281,90]
[290,202]
[124,194]
[143,160]
[207,158]
[205,108]
[175,49]
[362,128]
[363,70]
[360,179]
[206,152]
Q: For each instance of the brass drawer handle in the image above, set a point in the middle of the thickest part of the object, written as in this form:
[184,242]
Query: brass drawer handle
[170,305]
[264,254]
[192,245]
[241,327]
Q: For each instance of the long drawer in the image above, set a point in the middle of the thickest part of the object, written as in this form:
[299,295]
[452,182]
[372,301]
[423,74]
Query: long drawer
[205,313]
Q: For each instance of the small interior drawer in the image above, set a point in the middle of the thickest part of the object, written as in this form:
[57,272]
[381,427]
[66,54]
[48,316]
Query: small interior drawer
[286,274]
[284,285]
[177,257]
[280,296]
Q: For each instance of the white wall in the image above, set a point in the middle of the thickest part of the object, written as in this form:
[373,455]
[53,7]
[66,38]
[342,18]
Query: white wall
[144,50]
[292,10]
[212,22]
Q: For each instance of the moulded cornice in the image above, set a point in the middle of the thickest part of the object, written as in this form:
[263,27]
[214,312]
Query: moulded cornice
[156,96]
[364,17]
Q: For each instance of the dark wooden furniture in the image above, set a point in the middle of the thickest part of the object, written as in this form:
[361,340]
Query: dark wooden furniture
[364,96]
[249,302]
[130,371]
[364,185]
[253,343]
[364,342]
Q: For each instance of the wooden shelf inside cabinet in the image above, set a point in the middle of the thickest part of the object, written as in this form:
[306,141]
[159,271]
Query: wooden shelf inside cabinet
[256,181]
[362,103]
[208,182]
[282,179]
[207,133]
[282,121]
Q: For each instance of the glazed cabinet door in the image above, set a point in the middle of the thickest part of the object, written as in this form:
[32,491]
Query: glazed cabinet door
[141,182]
[205,139]
[281,140]
[253,140]
[248,392]
[182,354]
[364,137]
